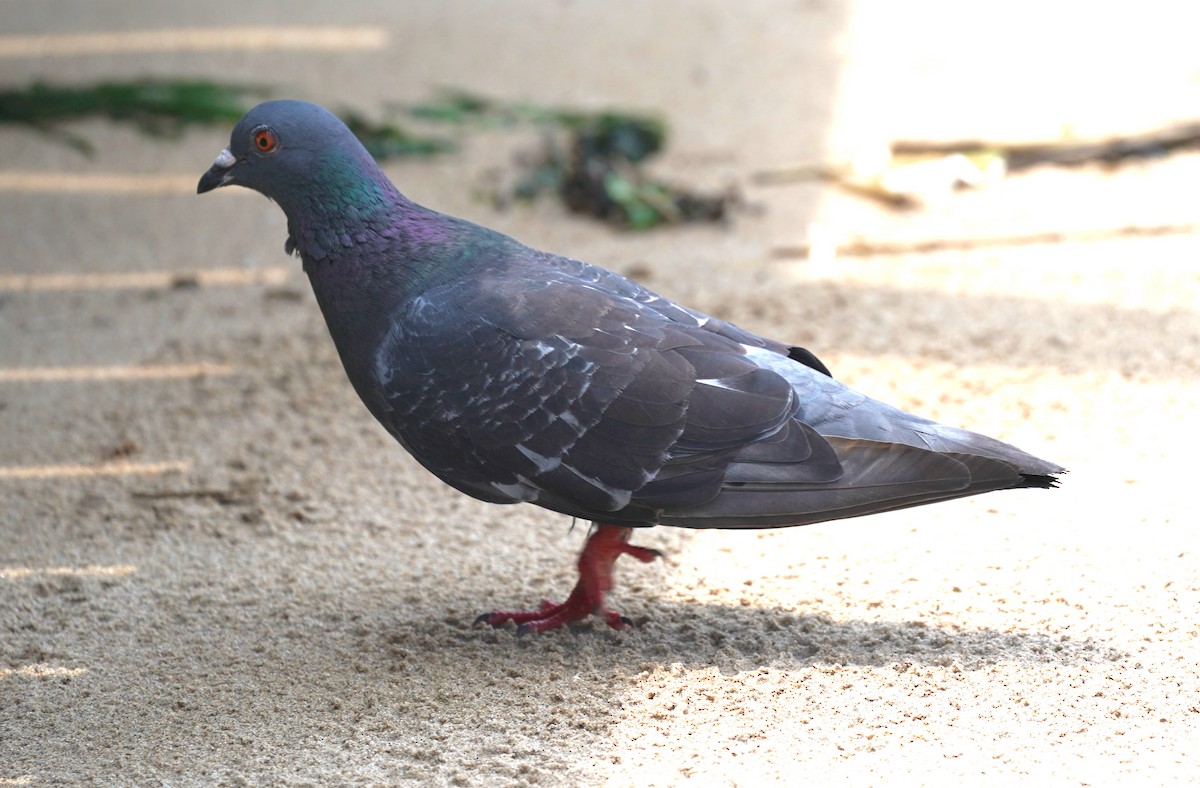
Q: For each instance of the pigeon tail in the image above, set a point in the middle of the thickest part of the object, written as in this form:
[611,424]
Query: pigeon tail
[876,477]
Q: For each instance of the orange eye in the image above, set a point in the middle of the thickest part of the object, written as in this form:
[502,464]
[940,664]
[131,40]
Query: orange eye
[265,140]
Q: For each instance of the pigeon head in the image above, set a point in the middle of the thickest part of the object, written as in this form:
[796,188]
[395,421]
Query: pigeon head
[302,157]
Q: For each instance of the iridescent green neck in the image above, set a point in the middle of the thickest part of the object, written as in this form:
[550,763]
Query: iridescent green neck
[347,184]
[343,199]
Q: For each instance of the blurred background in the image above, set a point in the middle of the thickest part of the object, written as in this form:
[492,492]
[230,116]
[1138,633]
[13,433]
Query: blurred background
[214,566]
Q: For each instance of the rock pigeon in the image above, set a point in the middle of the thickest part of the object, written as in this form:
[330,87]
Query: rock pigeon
[518,375]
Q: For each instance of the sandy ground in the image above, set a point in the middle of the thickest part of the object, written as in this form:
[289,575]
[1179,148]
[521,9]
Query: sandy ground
[215,568]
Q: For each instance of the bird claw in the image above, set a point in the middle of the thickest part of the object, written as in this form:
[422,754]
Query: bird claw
[595,579]
[555,617]
[552,616]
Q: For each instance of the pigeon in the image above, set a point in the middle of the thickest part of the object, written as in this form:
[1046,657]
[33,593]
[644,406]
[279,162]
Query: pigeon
[515,375]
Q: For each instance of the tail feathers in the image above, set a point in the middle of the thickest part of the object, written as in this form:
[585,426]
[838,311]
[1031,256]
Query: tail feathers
[877,477]
[945,439]
[1040,481]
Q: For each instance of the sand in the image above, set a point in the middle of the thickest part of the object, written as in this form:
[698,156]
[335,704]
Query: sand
[215,568]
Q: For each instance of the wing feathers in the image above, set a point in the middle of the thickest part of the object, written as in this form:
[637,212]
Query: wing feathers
[877,477]
[547,380]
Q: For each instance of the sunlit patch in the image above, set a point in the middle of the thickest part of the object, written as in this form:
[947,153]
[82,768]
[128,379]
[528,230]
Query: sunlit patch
[82,471]
[40,670]
[97,183]
[140,372]
[218,39]
[21,572]
[1163,280]
[143,280]
[23,779]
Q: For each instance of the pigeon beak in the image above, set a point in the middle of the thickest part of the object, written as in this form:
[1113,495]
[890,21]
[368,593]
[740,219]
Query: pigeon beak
[219,174]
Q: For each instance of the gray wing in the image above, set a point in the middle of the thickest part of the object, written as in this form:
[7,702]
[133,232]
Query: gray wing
[592,402]
[576,389]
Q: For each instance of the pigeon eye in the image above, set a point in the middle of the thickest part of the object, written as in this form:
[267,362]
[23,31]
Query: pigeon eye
[265,140]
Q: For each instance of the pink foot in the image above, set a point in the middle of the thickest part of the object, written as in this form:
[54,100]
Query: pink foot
[602,549]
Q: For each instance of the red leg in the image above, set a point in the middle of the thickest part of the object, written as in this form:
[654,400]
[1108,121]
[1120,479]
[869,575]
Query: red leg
[603,547]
